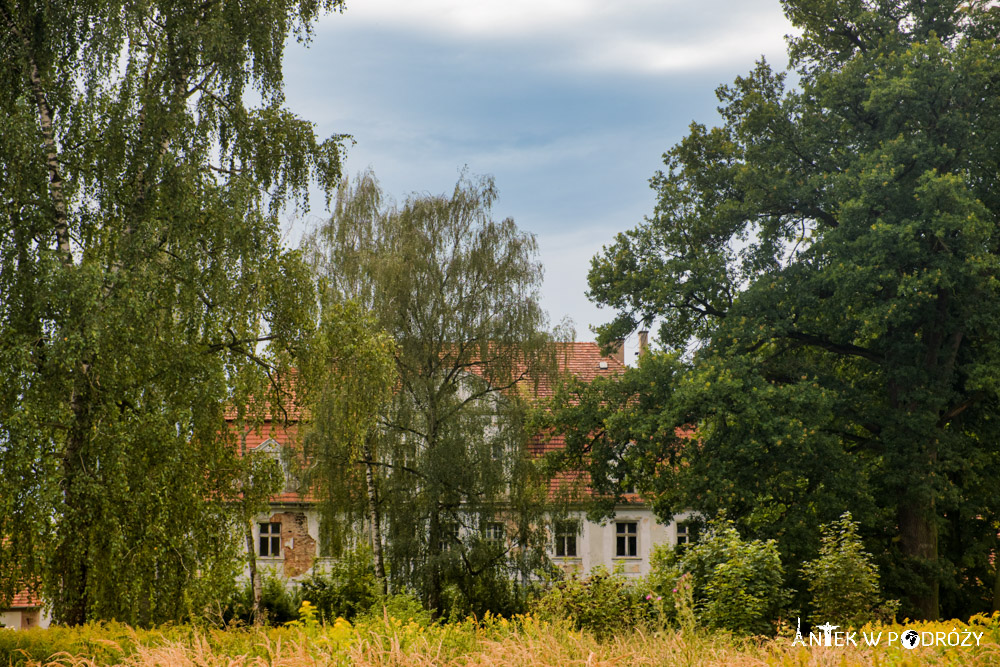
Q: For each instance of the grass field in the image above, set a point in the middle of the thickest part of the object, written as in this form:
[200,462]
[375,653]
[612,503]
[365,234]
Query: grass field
[490,641]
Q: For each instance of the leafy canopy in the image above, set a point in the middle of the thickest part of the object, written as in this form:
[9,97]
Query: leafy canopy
[140,271]
[827,262]
[458,293]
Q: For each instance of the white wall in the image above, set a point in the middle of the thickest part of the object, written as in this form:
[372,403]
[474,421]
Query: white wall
[597,543]
[23,619]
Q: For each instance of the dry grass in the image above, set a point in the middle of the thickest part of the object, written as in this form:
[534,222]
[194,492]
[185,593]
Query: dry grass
[492,641]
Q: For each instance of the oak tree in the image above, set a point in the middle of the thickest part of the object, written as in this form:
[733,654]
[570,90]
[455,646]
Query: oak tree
[827,258]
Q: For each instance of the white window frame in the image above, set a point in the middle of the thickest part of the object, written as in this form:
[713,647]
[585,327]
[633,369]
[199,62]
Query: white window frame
[494,532]
[268,539]
[566,534]
[627,541]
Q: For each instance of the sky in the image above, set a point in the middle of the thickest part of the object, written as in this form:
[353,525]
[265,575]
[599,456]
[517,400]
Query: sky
[568,104]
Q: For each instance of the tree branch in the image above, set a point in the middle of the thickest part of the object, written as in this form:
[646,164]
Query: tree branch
[846,349]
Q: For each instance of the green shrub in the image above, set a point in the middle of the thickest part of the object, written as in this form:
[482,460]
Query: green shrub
[843,580]
[602,603]
[495,591]
[403,607]
[279,602]
[348,588]
[736,585]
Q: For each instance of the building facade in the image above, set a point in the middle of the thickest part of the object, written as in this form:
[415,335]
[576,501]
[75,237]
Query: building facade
[287,538]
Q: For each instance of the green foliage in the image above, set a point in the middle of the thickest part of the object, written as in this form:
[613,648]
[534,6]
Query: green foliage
[491,640]
[736,584]
[344,590]
[141,271]
[347,374]
[602,603]
[457,292]
[279,602]
[843,580]
[496,591]
[401,606]
[615,428]
[830,256]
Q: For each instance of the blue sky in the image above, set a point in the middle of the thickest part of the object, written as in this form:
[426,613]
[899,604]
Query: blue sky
[569,104]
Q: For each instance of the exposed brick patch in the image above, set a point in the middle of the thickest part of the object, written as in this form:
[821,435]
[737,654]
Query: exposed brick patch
[297,546]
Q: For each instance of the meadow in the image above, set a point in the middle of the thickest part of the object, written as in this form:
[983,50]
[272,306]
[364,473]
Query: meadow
[522,640]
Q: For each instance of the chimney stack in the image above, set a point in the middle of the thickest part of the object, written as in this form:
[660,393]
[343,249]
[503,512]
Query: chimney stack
[643,342]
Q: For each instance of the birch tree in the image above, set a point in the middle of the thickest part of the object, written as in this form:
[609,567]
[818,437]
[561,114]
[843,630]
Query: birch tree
[140,272]
[458,293]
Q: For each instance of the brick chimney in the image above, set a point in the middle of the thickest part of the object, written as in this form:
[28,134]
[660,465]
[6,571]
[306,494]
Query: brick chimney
[643,342]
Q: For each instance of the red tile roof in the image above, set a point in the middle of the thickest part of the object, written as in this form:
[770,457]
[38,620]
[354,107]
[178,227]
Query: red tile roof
[582,360]
[25,600]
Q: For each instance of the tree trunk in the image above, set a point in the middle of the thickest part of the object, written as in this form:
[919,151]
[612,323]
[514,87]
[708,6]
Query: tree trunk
[75,530]
[434,576]
[373,517]
[918,533]
[255,585]
[71,554]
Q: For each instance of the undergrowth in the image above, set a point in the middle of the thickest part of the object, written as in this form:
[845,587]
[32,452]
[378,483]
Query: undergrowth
[492,640]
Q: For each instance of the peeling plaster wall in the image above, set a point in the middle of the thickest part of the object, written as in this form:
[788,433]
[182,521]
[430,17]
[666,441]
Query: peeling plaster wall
[298,547]
[596,543]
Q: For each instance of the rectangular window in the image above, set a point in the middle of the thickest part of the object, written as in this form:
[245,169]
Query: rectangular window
[685,533]
[494,532]
[270,539]
[566,532]
[449,535]
[627,540]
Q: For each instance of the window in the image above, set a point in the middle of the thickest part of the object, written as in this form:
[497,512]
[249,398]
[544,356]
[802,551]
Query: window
[494,532]
[627,542]
[685,533]
[566,532]
[498,450]
[449,535]
[274,449]
[270,540]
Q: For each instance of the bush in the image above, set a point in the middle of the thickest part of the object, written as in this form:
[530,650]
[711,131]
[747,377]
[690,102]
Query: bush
[347,589]
[736,585]
[602,603]
[278,602]
[843,580]
[495,591]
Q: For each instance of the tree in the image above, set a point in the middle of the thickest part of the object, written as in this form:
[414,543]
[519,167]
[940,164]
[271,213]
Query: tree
[140,272]
[843,580]
[346,377]
[829,254]
[457,291]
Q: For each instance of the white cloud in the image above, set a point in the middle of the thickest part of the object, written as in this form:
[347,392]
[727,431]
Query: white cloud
[634,36]
[481,18]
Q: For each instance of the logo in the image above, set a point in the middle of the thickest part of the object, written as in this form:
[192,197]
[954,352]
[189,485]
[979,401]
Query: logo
[827,635]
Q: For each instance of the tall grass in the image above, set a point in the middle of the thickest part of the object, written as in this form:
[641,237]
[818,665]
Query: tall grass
[524,640]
